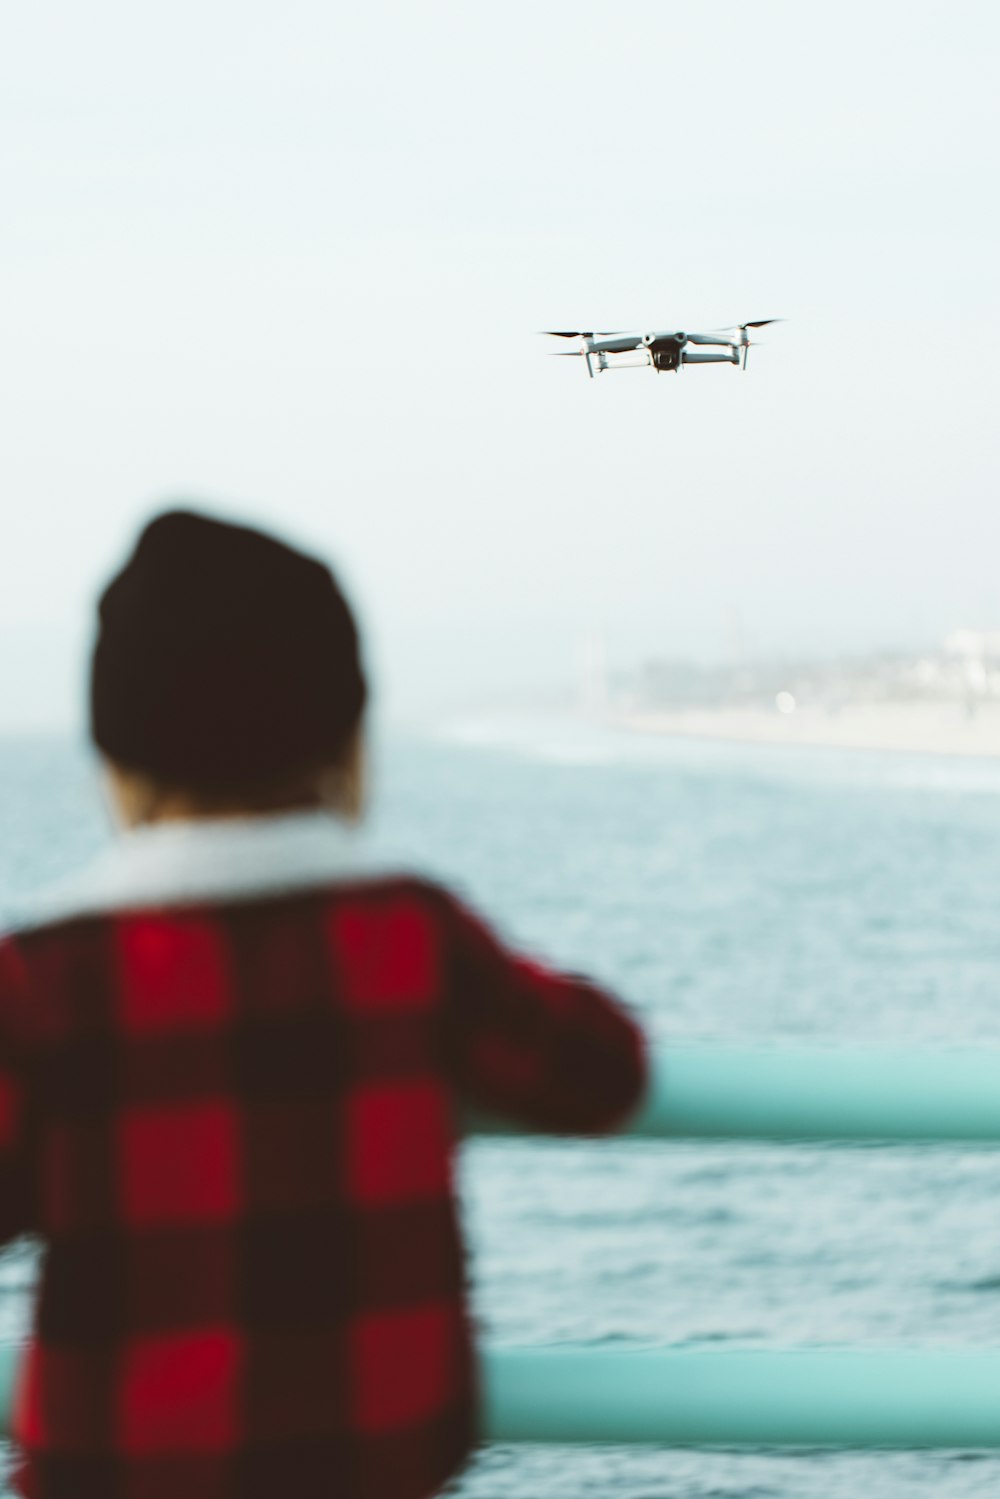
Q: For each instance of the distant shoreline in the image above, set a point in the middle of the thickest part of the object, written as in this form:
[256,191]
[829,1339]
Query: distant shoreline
[920,728]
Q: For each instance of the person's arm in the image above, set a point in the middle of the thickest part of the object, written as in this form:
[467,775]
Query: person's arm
[532,1047]
[17,1194]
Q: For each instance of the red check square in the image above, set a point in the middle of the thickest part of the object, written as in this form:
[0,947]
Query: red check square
[398,1142]
[173,974]
[179,1393]
[179,1164]
[385,955]
[403,1364]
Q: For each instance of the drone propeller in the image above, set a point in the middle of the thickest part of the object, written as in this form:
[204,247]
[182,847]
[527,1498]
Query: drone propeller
[605,333]
[741,329]
[761,323]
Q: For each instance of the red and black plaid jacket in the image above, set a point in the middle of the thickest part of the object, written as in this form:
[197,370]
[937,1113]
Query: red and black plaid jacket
[231,1122]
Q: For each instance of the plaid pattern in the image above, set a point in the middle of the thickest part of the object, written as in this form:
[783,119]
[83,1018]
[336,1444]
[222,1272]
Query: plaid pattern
[232,1125]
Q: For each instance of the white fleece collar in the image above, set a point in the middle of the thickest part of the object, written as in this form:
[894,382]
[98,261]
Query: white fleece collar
[185,863]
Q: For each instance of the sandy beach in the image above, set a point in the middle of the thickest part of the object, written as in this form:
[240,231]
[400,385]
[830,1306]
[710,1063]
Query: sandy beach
[945,728]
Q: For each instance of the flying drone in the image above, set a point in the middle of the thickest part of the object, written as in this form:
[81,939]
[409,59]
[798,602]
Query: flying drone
[664,351]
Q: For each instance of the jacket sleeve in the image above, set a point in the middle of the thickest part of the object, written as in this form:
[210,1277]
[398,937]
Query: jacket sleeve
[532,1047]
[17,1193]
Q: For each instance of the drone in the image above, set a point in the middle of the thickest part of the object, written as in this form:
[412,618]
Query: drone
[663,351]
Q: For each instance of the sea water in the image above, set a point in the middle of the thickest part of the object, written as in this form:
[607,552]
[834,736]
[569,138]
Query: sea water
[737,893]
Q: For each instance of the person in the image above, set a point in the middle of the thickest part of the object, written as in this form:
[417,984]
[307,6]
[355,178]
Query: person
[233,1059]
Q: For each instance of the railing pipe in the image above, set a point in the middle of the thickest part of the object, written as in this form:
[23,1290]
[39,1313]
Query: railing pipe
[716,1397]
[744,1398]
[765,1397]
[797,1093]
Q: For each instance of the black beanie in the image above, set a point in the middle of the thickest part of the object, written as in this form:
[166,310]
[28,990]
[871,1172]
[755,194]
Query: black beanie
[224,659]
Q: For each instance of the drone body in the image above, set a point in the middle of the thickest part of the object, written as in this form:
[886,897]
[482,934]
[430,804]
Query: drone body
[662,351]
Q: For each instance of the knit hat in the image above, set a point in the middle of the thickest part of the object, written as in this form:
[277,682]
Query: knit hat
[225,659]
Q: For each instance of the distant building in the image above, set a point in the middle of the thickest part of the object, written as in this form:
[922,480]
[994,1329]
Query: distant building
[964,669]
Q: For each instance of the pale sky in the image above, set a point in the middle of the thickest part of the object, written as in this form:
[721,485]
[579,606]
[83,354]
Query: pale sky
[291,261]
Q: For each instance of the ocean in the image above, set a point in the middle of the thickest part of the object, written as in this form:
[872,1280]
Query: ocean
[730,893]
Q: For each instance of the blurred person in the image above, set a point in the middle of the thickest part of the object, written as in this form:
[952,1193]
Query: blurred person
[233,1057]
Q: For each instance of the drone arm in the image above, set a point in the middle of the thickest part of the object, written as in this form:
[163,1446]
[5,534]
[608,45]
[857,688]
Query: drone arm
[732,358]
[710,338]
[623,344]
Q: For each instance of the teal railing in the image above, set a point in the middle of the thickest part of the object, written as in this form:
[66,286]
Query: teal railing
[805,1397]
[833,1397]
[715,1397]
[749,1397]
[758,1093]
